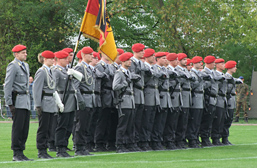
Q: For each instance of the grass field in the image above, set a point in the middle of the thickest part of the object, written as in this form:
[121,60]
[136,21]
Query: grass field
[242,154]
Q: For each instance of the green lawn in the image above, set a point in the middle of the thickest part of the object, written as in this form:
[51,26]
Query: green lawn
[242,154]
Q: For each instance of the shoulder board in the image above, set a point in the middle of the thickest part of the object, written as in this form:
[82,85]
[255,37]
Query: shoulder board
[133,60]
[102,64]
[159,68]
[60,69]
[85,66]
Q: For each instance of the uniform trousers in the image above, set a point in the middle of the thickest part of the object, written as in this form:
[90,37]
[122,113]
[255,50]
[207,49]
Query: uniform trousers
[45,121]
[138,121]
[82,130]
[64,121]
[125,130]
[206,123]
[158,126]
[182,125]
[101,130]
[20,129]
[52,129]
[112,126]
[217,123]
[92,127]
[194,123]
[227,123]
[147,122]
[171,125]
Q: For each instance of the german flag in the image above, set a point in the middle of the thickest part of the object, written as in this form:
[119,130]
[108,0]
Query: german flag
[96,26]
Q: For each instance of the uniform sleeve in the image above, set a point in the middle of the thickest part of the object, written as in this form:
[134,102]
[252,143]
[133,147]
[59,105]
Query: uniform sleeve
[77,83]
[118,83]
[38,87]
[8,84]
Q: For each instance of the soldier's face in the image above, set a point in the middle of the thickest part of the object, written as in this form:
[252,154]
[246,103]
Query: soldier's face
[198,65]
[162,60]
[183,62]
[127,63]
[63,62]
[139,54]
[150,59]
[70,57]
[118,60]
[94,61]
[233,70]
[87,57]
[221,66]
[22,55]
[49,62]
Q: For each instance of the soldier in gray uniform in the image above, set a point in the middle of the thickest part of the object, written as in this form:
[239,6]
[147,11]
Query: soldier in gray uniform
[196,109]
[186,97]
[221,104]
[165,102]
[43,93]
[65,119]
[86,99]
[152,100]
[231,88]
[210,99]
[126,105]
[176,100]
[102,131]
[137,67]
[16,94]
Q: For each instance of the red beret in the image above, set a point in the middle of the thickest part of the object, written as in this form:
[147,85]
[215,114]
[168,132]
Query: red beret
[196,59]
[87,50]
[68,50]
[172,56]
[120,51]
[149,52]
[230,64]
[219,60]
[18,48]
[48,54]
[209,59]
[138,47]
[188,61]
[96,55]
[181,56]
[79,55]
[61,54]
[125,56]
[160,54]
[166,53]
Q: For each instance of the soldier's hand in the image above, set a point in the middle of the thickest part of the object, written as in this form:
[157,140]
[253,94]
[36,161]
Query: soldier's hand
[61,107]
[183,76]
[135,77]
[12,109]
[39,110]
[82,105]
[148,72]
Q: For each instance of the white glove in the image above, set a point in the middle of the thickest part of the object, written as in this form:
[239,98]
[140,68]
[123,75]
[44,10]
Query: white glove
[75,73]
[58,101]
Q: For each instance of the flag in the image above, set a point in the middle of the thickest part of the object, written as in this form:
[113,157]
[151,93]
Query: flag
[96,26]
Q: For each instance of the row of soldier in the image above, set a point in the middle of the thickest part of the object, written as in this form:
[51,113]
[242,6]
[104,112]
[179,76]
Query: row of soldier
[142,101]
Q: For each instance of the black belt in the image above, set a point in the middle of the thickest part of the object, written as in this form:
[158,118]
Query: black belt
[70,91]
[177,90]
[198,91]
[107,87]
[22,92]
[47,94]
[155,87]
[128,93]
[186,89]
[139,87]
[90,92]
[222,94]
[164,90]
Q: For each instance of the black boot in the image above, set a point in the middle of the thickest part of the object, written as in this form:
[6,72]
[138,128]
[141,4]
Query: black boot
[42,154]
[246,119]
[90,147]
[121,149]
[225,141]
[100,147]
[206,142]
[51,147]
[61,152]
[17,156]
[236,119]
[193,144]
[110,146]
[216,142]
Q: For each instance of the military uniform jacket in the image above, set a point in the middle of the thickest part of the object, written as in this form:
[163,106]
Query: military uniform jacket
[175,89]
[98,83]
[138,67]
[197,90]
[61,77]
[120,82]
[43,89]
[165,100]
[221,98]
[231,92]
[17,79]
[241,90]
[185,85]
[210,88]
[86,88]
[106,88]
[151,91]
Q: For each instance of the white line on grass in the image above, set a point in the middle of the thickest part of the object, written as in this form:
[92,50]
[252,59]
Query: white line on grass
[107,154]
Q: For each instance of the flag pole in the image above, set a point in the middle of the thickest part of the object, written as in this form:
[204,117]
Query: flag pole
[67,85]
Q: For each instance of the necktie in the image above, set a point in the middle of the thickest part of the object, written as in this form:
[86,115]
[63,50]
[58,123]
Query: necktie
[24,66]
